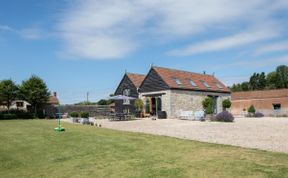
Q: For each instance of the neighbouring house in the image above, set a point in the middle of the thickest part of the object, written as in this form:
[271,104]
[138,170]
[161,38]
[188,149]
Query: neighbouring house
[174,91]
[268,102]
[53,100]
[51,108]
[129,86]
[17,104]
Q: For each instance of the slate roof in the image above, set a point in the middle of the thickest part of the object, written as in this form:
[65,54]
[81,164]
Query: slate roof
[169,76]
[263,94]
[136,79]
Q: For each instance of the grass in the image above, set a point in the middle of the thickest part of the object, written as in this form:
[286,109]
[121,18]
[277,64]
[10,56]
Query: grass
[31,148]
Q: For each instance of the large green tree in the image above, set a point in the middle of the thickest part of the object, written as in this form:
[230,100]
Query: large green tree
[35,91]
[282,76]
[8,92]
[271,79]
[258,81]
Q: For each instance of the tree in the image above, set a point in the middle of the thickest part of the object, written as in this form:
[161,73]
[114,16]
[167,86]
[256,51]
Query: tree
[253,82]
[261,81]
[282,76]
[102,102]
[245,86]
[8,92]
[207,104]
[35,91]
[226,104]
[139,105]
[271,80]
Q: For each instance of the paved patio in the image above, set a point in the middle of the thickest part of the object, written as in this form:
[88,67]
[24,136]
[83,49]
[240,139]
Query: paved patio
[261,133]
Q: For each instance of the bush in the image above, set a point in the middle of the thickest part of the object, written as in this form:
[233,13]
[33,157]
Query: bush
[209,110]
[226,104]
[207,104]
[259,114]
[9,116]
[251,109]
[84,115]
[25,115]
[224,116]
[20,114]
[74,114]
[138,103]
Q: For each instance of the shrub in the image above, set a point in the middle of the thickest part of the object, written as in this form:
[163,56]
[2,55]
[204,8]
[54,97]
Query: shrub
[226,104]
[259,114]
[25,115]
[20,114]
[207,104]
[1,116]
[209,110]
[74,114]
[224,116]
[139,104]
[9,116]
[84,115]
[251,109]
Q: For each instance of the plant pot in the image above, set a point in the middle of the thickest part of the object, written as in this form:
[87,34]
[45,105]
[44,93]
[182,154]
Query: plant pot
[74,119]
[208,116]
[84,121]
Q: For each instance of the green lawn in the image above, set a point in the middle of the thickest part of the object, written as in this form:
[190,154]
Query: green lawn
[31,148]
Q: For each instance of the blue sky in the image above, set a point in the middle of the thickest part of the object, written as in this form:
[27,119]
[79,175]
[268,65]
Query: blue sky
[86,46]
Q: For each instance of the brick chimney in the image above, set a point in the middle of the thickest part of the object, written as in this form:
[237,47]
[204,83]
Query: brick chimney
[55,94]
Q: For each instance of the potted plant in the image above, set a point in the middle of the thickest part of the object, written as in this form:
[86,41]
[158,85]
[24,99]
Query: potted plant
[226,104]
[139,107]
[251,111]
[207,104]
[84,118]
[74,116]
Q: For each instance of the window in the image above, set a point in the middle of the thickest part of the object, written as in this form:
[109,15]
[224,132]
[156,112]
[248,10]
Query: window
[192,83]
[177,81]
[126,92]
[219,86]
[277,106]
[205,84]
[19,104]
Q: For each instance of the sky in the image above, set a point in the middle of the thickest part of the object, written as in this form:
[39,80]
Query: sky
[80,46]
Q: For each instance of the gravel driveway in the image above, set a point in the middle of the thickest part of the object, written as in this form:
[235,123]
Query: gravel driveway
[261,133]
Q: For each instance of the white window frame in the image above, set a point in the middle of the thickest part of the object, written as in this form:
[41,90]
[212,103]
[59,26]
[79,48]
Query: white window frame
[126,92]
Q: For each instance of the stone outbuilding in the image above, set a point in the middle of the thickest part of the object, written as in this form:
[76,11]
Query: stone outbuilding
[172,91]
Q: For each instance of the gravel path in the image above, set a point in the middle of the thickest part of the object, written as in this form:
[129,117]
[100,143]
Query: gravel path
[261,133]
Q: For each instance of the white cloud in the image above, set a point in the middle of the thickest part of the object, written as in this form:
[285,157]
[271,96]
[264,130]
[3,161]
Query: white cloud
[121,25]
[225,43]
[33,33]
[274,47]
[27,33]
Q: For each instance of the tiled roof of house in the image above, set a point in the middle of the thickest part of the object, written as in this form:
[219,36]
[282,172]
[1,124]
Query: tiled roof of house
[137,79]
[259,94]
[53,100]
[179,79]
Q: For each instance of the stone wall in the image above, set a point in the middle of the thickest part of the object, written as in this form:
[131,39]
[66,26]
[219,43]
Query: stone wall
[173,101]
[192,101]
